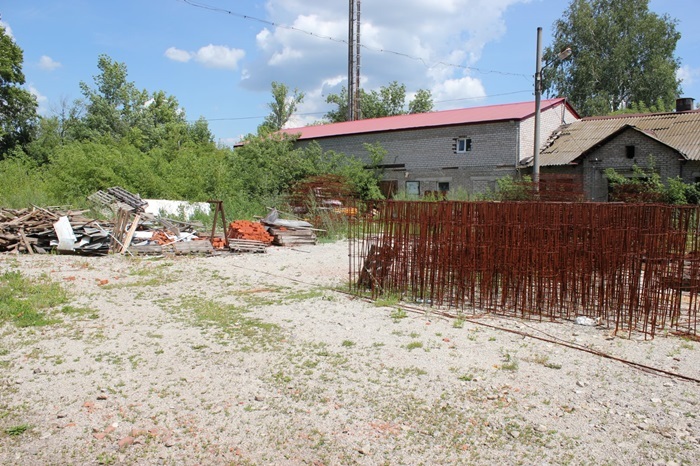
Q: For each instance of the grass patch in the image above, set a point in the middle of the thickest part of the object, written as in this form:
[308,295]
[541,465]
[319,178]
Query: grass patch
[80,312]
[232,320]
[18,430]
[414,345]
[26,302]
[398,314]
[348,343]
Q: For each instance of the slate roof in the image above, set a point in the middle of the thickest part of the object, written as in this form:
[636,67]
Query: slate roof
[678,130]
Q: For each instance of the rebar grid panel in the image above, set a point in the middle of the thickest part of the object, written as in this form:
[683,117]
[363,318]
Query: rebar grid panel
[635,268]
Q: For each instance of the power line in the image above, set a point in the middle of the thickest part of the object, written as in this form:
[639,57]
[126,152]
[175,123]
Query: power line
[323,113]
[425,62]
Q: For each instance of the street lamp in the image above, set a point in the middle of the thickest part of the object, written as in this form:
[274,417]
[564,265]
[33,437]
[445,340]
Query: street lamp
[564,54]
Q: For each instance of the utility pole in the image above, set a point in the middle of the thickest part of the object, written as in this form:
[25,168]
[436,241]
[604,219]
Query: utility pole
[353,60]
[538,99]
[356,111]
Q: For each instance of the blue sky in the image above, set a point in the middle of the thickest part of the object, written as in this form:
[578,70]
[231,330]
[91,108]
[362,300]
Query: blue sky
[220,65]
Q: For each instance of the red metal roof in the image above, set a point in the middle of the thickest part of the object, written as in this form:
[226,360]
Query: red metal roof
[490,113]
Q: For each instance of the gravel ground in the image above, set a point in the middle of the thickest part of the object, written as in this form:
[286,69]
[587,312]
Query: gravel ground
[262,359]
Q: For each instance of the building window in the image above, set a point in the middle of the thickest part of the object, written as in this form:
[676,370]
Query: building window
[629,152]
[463,145]
[413,188]
[443,186]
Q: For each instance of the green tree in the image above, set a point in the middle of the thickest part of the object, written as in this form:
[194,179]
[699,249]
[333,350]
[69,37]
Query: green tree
[388,101]
[422,102]
[622,54]
[281,108]
[18,106]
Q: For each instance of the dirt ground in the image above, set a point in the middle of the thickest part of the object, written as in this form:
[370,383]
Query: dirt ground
[263,359]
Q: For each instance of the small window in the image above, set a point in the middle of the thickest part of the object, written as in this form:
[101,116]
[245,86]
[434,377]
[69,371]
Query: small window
[463,145]
[629,152]
[413,188]
[443,187]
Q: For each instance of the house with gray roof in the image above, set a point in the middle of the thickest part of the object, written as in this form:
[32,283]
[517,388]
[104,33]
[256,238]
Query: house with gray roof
[668,143]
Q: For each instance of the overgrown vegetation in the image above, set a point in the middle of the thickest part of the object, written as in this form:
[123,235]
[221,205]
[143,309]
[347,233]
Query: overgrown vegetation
[119,135]
[645,185]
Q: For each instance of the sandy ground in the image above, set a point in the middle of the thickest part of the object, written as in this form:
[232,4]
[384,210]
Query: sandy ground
[261,359]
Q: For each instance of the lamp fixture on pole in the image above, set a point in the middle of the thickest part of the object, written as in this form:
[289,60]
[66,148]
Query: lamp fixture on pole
[564,54]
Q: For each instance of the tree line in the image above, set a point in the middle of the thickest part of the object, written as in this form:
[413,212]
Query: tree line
[117,134]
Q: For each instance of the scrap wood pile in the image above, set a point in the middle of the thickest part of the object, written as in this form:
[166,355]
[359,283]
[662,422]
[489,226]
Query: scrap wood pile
[247,236]
[289,232]
[38,230]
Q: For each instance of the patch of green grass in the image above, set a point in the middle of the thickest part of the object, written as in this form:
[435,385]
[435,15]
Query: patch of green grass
[18,430]
[510,363]
[390,300]
[398,314]
[80,312]
[458,323]
[466,377]
[414,345]
[27,302]
[348,343]
[249,332]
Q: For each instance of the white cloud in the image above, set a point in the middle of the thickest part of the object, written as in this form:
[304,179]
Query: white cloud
[212,56]
[219,56]
[176,54]
[41,99]
[47,63]
[430,38]
[687,74]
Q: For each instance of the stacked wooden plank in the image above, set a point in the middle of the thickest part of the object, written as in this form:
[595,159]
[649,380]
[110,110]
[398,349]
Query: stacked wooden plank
[32,231]
[289,236]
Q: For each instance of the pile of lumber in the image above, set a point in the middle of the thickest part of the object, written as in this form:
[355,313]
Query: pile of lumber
[289,236]
[34,231]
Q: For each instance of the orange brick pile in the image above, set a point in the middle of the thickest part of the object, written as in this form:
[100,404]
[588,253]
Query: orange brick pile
[244,229]
[218,243]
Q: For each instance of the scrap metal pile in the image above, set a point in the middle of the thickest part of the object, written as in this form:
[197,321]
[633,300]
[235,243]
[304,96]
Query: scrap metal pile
[631,267]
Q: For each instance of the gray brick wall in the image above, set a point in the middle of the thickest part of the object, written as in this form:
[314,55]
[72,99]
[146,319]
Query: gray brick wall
[666,161]
[428,154]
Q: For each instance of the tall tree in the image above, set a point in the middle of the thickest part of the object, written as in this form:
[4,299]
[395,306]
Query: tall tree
[622,54]
[18,117]
[282,107]
[387,101]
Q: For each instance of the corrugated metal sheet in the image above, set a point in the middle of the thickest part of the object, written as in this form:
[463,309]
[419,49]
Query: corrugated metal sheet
[680,131]
[516,111]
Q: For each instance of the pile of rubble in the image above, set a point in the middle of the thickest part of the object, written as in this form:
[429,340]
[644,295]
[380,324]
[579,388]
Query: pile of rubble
[38,231]
[134,231]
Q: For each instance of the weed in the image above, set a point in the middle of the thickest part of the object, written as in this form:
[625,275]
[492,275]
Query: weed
[458,323]
[466,377]
[397,314]
[15,431]
[510,363]
[348,343]
[414,345]
[390,300]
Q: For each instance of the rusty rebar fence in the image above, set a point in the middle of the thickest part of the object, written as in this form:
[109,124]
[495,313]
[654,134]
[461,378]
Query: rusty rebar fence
[635,268]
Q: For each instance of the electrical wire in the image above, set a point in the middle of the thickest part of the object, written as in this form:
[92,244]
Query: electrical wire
[425,62]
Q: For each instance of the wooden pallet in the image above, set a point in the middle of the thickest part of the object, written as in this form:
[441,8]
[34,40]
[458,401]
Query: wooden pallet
[246,245]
